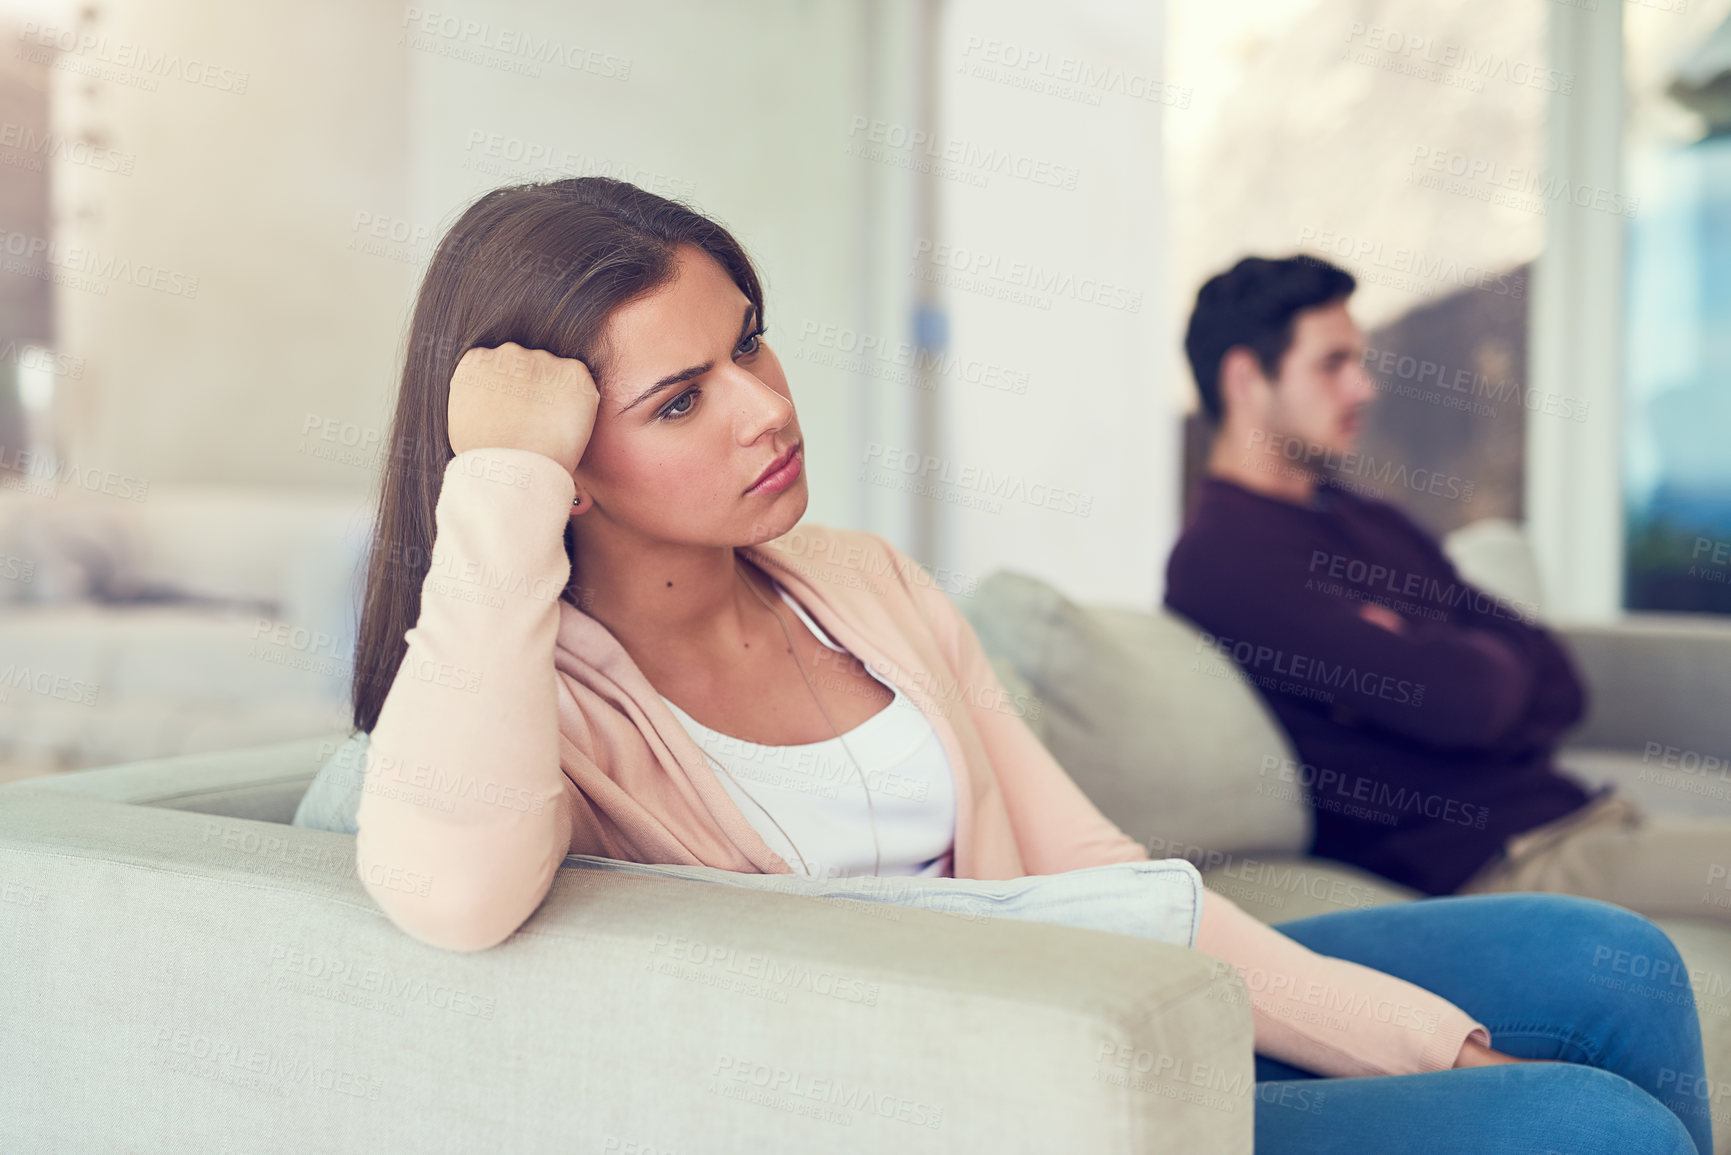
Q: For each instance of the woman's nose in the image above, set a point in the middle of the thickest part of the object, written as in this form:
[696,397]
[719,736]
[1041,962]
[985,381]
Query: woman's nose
[759,405]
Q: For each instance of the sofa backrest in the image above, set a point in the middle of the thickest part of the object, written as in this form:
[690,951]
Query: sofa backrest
[1165,735]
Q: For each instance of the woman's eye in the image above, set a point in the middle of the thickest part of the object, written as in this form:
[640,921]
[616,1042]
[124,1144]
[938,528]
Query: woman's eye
[672,412]
[750,345]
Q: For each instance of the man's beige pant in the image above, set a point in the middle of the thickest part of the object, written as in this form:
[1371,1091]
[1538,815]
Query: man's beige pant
[1613,849]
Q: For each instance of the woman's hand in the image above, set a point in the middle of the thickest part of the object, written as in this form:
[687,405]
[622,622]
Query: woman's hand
[516,398]
[1478,1055]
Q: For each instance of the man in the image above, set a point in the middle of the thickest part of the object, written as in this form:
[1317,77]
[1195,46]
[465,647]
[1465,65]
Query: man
[1424,712]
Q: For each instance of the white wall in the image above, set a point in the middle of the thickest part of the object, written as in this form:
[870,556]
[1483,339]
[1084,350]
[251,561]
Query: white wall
[306,205]
[741,109]
[250,186]
[1066,300]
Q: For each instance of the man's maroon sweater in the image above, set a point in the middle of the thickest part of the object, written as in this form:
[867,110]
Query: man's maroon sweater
[1420,751]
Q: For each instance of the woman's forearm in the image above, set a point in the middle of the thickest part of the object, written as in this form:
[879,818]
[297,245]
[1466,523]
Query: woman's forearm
[1328,1015]
[466,815]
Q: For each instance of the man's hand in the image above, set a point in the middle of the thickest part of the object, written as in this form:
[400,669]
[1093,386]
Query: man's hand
[1382,616]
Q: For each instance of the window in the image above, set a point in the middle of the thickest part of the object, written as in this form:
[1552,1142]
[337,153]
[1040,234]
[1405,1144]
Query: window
[1677,161]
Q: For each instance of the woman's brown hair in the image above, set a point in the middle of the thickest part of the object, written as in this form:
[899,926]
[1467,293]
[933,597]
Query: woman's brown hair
[543,265]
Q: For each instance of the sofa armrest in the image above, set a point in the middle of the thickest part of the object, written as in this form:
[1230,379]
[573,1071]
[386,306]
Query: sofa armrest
[1655,681]
[192,982]
[264,783]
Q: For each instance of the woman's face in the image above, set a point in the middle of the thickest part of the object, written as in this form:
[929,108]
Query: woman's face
[694,407]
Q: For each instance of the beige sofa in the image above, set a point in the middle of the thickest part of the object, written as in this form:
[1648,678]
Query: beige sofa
[182,971]
[189,973]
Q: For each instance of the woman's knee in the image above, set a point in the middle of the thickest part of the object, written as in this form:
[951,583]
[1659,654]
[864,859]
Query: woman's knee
[1530,1108]
[1607,984]
[1590,1111]
[1625,951]
[1613,947]
[1623,930]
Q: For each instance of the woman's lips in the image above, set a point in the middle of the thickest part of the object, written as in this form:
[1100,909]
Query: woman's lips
[780,475]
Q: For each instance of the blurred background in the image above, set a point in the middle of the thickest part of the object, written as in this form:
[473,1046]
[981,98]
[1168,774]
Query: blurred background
[981,225]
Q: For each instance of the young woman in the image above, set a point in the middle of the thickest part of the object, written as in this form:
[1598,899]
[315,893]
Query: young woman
[584,592]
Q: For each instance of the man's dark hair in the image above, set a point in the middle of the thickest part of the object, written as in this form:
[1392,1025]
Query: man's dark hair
[1254,304]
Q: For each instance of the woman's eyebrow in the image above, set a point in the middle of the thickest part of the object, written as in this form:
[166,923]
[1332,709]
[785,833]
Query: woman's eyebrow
[695,370]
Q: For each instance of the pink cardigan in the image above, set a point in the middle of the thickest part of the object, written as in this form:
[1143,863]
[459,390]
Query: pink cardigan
[590,760]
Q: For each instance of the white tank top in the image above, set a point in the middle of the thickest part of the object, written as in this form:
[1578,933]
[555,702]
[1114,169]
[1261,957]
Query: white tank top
[814,792]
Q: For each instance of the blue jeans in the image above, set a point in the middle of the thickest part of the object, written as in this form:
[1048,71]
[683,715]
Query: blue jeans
[1551,977]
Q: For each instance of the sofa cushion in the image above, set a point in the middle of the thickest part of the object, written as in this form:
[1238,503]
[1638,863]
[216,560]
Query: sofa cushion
[334,796]
[1280,888]
[1159,900]
[1493,554]
[1167,738]
[1018,690]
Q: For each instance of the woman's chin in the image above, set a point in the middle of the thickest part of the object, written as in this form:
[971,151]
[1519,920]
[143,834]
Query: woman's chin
[789,506]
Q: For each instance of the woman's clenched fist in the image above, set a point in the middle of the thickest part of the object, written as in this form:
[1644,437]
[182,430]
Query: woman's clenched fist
[516,398]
